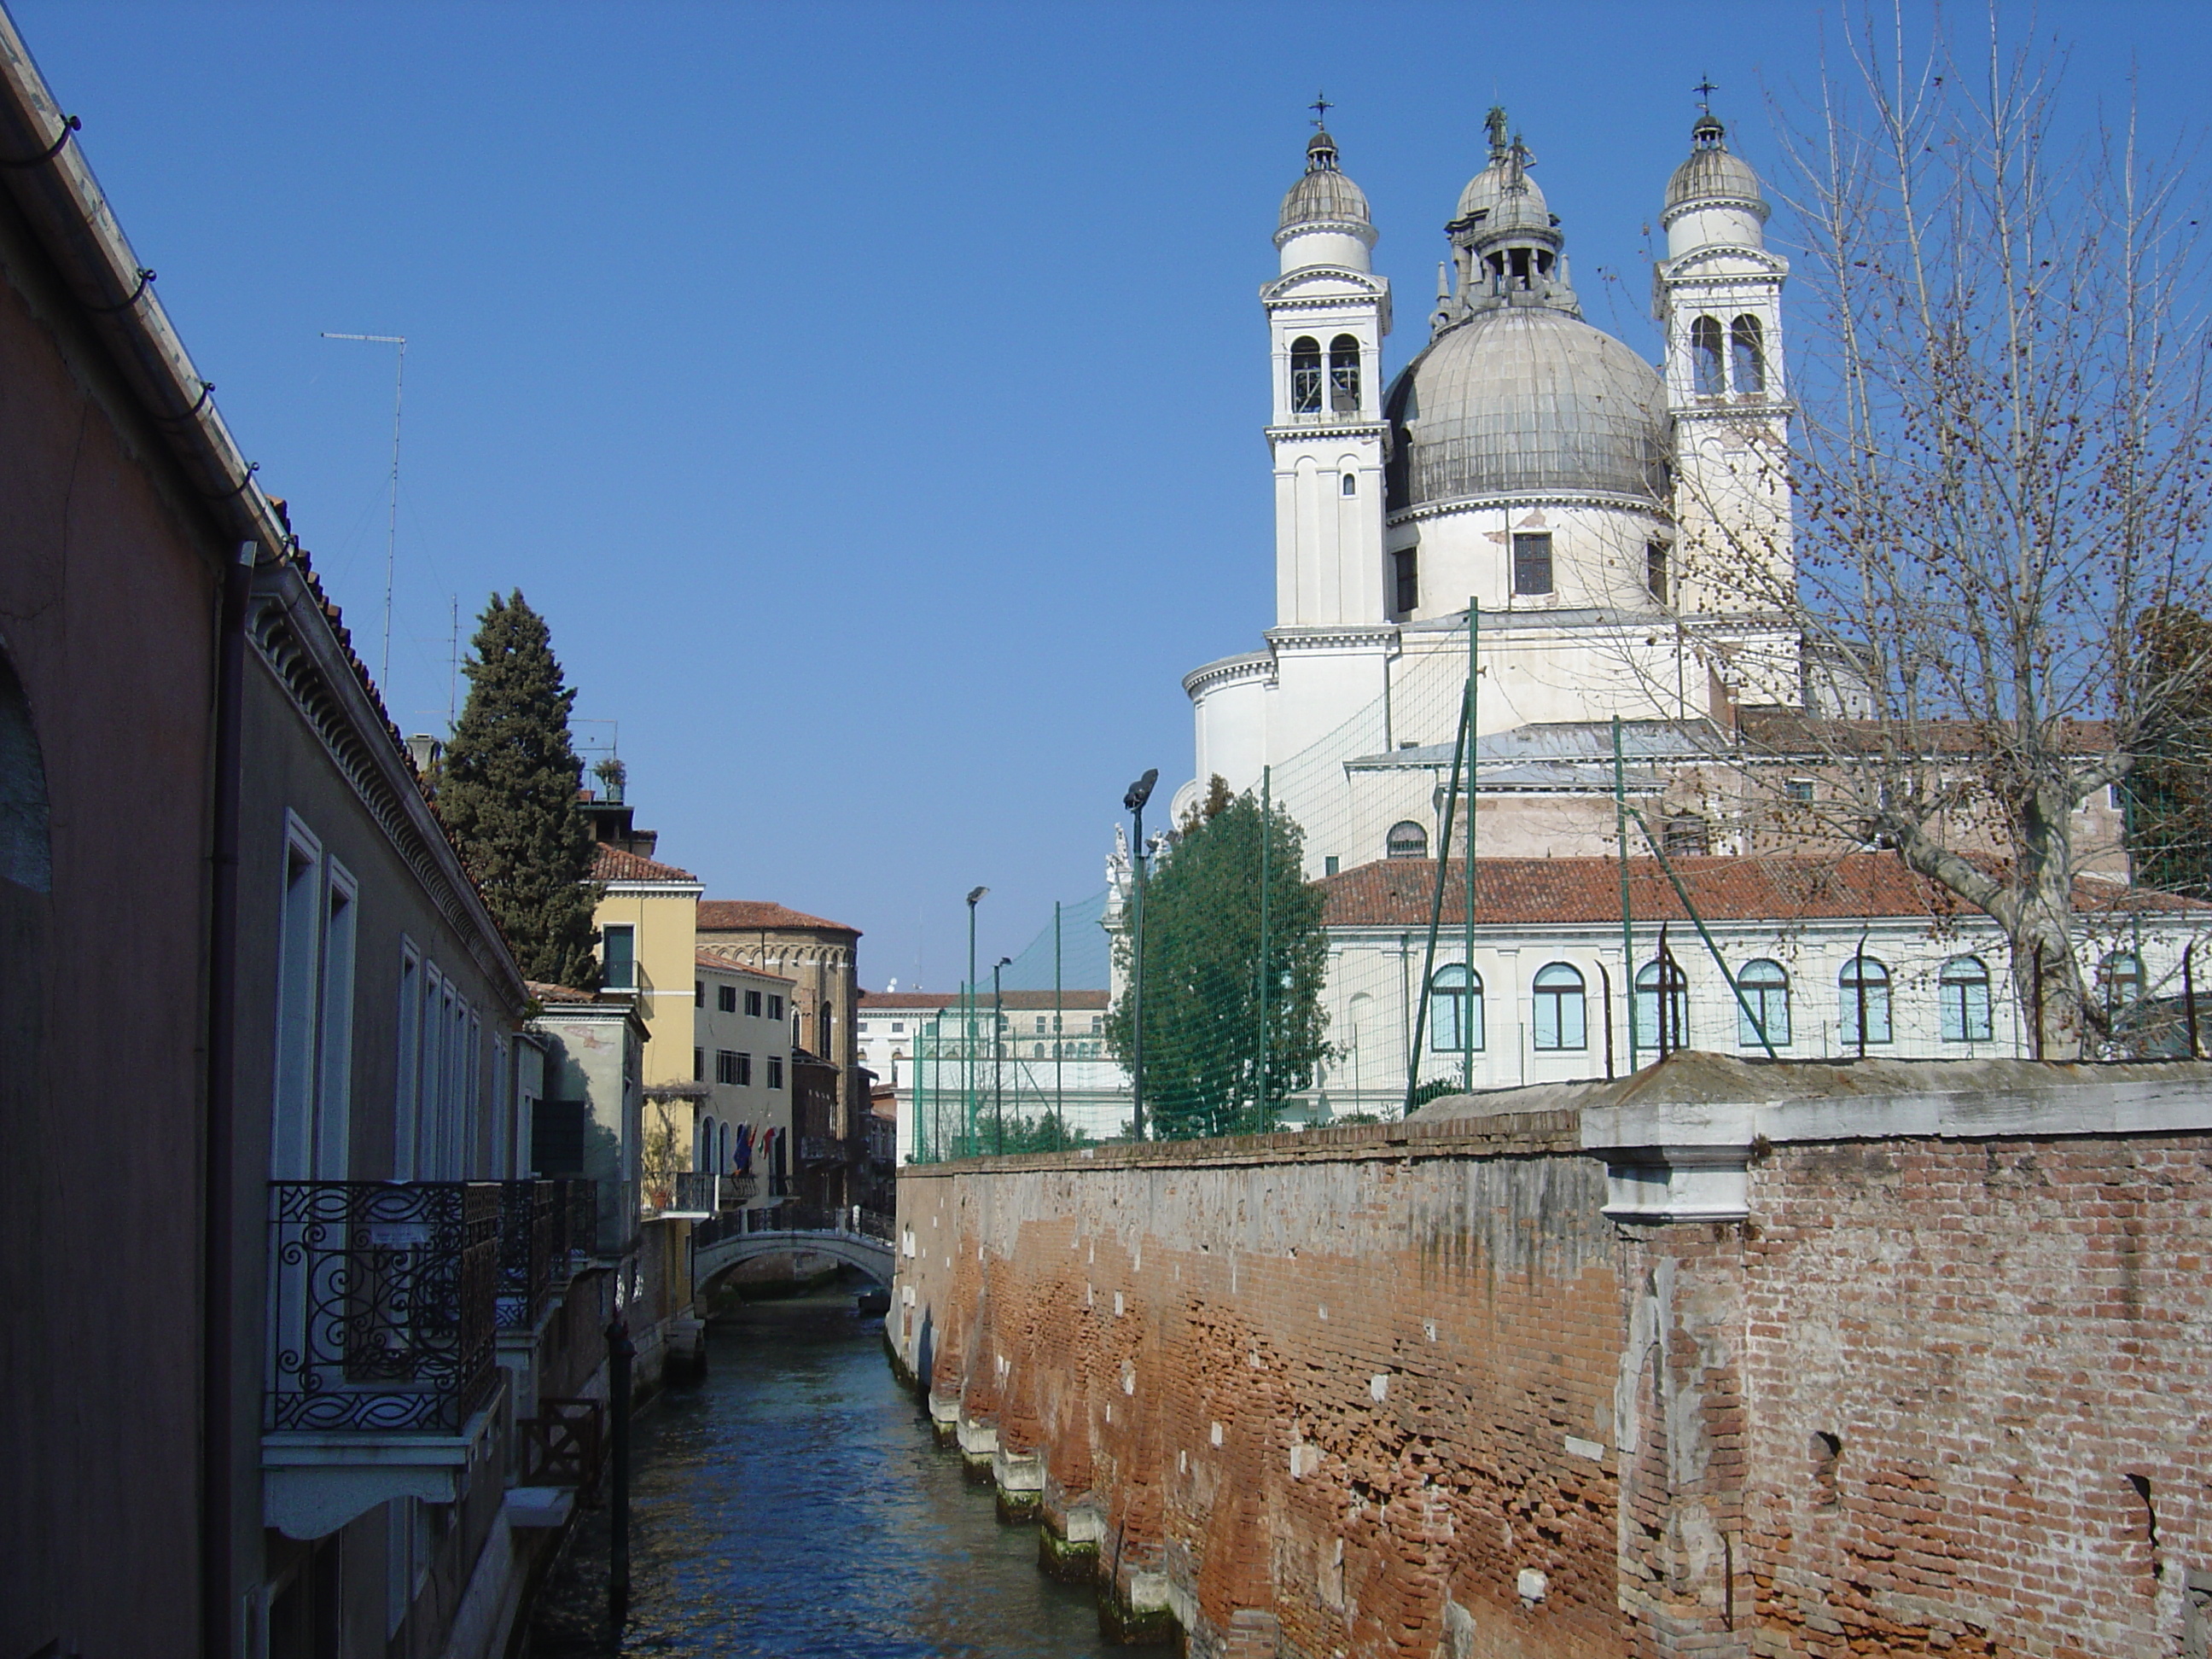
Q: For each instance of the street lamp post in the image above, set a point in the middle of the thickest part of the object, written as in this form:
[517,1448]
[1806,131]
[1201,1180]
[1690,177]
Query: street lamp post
[998,1059]
[1134,802]
[968,1011]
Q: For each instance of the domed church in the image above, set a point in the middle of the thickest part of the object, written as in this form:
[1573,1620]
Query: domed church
[1527,467]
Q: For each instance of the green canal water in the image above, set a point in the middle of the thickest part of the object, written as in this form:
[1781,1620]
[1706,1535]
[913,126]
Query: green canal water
[793,1504]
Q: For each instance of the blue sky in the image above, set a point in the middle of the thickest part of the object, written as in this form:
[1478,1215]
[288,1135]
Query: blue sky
[870,396]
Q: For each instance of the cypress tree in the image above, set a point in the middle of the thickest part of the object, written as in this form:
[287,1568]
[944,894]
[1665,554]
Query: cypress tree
[508,790]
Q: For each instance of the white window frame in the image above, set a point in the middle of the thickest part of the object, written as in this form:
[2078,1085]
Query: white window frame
[341,943]
[407,1090]
[299,977]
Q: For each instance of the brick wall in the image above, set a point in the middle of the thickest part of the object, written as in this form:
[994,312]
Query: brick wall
[1410,1390]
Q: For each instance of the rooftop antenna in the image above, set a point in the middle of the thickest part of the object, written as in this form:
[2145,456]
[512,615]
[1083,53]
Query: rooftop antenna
[391,530]
[1705,89]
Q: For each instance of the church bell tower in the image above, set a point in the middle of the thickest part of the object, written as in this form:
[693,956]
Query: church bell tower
[1326,314]
[1719,302]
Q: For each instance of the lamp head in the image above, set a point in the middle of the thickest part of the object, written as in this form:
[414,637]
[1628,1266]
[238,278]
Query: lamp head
[1141,792]
[975,894]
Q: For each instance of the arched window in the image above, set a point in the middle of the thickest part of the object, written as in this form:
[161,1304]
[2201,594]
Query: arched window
[1746,357]
[1344,375]
[1655,1022]
[1864,983]
[1766,1006]
[1305,375]
[1560,1008]
[1706,374]
[25,852]
[723,1150]
[1963,995]
[703,1156]
[1407,841]
[1686,833]
[1454,1009]
[2120,977]
[1349,485]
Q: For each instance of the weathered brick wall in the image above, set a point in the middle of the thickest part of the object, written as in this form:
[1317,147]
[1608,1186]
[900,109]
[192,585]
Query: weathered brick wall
[1332,1379]
[1982,1377]
[1361,1386]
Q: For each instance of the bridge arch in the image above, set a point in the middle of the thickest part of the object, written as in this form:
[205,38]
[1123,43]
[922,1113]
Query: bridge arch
[872,1256]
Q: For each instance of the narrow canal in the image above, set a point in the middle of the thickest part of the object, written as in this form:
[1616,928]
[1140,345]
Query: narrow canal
[793,1504]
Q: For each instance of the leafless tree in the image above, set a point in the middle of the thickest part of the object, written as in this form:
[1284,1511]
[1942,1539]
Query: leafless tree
[1998,468]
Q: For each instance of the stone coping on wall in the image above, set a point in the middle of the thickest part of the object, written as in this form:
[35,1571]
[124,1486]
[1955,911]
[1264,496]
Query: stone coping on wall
[1502,1133]
[1679,1138]
[1720,1101]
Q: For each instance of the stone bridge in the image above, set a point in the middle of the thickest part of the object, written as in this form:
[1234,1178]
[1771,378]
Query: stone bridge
[859,1238]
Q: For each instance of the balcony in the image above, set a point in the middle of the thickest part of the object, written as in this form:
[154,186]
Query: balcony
[532,1230]
[384,1305]
[698,1196]
[821,1149]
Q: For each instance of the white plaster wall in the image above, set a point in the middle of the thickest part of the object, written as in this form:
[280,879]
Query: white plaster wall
[1597,555]
[1324,247]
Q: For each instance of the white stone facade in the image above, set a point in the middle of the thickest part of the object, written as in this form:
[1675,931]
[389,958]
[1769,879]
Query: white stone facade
[1524,463]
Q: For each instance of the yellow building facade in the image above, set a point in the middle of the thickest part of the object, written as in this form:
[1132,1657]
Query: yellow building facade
[647,917]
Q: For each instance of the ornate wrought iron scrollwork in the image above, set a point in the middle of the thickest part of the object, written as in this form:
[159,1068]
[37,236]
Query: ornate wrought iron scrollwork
[384,1297]
[528,1238]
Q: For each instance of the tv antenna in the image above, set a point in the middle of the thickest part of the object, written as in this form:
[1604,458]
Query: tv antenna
[391,530]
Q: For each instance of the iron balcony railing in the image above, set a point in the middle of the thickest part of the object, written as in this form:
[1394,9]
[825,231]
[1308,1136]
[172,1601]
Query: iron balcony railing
[531,1230]
[699,1193]
[383,1304]
[694,1194]
[582,1237]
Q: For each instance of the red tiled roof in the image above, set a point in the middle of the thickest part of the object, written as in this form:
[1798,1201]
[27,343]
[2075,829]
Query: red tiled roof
[612,863]
[709,959]
[750,916]
[545,992]
[1787,732]
[1400,892]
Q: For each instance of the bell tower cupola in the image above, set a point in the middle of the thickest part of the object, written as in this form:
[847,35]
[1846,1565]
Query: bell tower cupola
[1719,306]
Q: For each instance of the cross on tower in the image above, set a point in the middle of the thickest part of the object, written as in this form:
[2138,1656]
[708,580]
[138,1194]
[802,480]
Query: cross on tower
[1321,107]
[1705,89]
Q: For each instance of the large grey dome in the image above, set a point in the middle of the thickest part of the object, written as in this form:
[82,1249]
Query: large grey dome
[1711,171]
[1322,194]
[1522,398]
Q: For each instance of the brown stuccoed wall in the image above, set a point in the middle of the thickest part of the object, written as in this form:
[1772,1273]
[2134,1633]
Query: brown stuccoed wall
[1828,1378]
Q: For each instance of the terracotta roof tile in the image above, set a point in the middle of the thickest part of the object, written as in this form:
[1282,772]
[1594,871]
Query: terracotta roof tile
[613,864]
[545,992]
[749,915]
[731,965]
[550,994]
[1786,731]
[1514,892]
